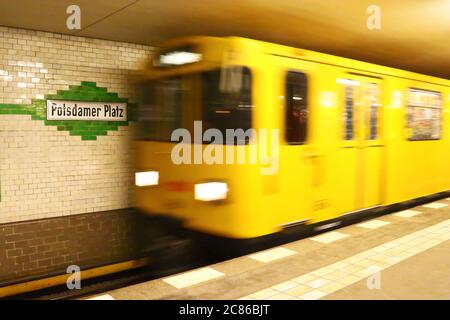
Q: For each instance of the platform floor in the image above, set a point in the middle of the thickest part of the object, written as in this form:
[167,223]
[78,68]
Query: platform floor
[404,255]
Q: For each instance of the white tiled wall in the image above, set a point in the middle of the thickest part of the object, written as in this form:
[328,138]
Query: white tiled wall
[34,63]
[45,172]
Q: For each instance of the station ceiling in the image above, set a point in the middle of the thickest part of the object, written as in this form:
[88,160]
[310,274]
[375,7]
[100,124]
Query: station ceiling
[414,34]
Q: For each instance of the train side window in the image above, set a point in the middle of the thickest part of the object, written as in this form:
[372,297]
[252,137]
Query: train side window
[296,119]
[423,115]
[349,112]
[351,94]
[372,97]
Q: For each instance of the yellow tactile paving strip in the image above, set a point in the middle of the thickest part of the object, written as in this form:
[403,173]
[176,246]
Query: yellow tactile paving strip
[323,281]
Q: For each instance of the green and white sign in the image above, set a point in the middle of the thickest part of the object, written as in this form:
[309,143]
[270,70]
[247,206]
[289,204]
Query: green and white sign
[82,110]
[96,110]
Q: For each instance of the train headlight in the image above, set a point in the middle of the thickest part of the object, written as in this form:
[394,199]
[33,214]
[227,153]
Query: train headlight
[147,178]
[211,191]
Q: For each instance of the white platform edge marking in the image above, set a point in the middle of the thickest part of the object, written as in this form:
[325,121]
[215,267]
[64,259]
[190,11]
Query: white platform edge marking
[272,254]
[330,237]
[102,297]
[193,277]
[373,224]
[313,295]
[435,205]
[407,213]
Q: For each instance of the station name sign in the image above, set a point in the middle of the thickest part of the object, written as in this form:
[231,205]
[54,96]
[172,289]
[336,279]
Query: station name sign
[82,110]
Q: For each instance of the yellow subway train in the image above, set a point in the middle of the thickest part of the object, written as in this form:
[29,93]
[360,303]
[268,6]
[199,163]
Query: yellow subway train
[240,139]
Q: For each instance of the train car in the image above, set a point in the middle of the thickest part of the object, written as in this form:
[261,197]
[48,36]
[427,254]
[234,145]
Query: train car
[341,136]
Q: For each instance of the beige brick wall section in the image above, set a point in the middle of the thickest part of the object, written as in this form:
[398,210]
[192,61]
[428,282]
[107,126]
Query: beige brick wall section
[45,172]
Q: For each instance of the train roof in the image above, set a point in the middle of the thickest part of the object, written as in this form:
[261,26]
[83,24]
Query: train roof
[313,56]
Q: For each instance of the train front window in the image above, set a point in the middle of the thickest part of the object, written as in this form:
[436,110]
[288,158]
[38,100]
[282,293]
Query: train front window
[220,99]
[227,100]
[159,109]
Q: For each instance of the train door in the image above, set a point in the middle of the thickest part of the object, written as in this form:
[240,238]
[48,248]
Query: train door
[362,143]
[295,149]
